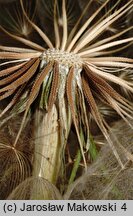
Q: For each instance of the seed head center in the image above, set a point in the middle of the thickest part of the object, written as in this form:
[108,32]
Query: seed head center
[63,57]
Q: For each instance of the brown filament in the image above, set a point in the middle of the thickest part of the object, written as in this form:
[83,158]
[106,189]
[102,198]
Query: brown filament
[54,87]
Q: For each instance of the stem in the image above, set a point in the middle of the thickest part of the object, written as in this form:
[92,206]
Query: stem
[75,167]
[47,147]
[93,150]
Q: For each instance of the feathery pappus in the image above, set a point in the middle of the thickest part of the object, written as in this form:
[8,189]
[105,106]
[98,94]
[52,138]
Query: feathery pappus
[77,68]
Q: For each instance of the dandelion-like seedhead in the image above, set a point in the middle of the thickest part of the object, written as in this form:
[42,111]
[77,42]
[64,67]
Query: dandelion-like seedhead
[104,178]
[78,68]
[63,58]
[15,161]
[39,187]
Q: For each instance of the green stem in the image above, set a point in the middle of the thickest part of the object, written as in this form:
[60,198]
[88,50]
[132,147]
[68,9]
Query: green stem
[93,150]
[75,167]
